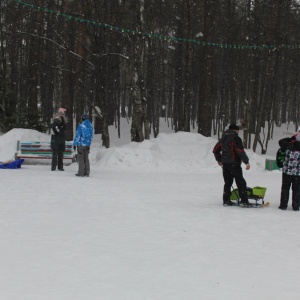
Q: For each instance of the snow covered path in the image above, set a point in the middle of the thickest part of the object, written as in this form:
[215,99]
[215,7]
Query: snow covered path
[132,235]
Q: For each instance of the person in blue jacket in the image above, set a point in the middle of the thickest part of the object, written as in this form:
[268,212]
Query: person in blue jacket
[82,141]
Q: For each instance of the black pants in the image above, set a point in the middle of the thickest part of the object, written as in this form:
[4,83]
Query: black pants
[234,172]
[287,182]
[83,160]
[57,159]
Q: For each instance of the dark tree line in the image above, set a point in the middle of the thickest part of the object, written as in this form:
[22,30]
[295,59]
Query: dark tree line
[201,63]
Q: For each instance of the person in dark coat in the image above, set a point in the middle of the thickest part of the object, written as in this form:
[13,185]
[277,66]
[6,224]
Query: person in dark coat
[229,153]
[58,143]
[290,172]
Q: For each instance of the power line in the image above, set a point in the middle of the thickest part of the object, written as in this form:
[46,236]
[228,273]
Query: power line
[157,36]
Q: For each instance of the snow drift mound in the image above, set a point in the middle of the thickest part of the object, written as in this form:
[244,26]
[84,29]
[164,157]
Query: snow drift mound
[180,152]
[184,151]
[9,140]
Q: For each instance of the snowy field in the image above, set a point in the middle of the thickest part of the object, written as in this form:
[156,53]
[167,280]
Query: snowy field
[148,224]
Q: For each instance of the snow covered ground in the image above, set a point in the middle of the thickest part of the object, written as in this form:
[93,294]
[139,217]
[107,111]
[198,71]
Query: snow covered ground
[147,225]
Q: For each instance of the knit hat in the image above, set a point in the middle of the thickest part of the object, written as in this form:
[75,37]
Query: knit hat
[61,111]
[84,117]
[234,127]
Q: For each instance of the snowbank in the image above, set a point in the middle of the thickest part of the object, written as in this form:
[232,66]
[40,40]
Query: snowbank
[182,152]
[9,140]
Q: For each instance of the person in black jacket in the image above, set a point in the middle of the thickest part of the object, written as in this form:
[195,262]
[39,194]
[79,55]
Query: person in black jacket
[58,143]
[229,153]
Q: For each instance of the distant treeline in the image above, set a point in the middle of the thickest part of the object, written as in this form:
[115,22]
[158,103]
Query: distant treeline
[202,63]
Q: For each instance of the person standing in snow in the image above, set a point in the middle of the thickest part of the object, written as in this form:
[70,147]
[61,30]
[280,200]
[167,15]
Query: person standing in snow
[82,141]
[229,153]
[290,172]
[58,143]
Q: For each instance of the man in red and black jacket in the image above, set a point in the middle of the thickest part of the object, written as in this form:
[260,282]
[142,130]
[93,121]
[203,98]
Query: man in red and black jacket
[229,153]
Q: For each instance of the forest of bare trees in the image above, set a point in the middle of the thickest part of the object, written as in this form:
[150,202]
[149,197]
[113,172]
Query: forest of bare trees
[199,63]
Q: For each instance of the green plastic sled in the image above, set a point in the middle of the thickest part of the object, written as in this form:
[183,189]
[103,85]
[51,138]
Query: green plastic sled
[257,192]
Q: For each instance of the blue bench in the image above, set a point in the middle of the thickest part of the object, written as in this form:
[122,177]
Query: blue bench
[40,152]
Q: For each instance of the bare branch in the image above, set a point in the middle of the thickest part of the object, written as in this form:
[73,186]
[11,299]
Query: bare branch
[109,54]
[65,47]
[57,68]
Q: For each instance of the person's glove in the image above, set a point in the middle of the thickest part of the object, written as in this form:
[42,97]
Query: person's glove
[74,147]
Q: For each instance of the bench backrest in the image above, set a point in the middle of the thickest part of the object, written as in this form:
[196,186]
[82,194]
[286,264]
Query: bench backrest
[42,149]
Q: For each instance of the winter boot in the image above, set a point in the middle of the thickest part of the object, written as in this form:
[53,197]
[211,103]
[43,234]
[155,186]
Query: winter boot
[282,207]
[229,203]
[245,204]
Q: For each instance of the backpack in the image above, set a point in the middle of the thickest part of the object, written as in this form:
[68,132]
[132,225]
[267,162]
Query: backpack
[280,157]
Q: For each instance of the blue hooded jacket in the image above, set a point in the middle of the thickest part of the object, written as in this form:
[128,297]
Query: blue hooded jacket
[84,134]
